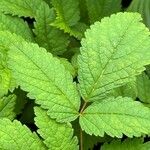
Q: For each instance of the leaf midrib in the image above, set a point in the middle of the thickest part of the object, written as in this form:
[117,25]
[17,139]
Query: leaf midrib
[48,78]
[105,67]
[117,114]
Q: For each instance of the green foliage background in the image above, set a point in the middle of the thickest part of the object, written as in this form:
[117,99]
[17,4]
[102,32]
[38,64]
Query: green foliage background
[74,74]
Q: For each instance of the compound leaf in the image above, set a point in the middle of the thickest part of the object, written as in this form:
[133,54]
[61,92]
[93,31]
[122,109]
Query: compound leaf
[46,80]
[14,135]
[116,116]
[110,59]
[56,135]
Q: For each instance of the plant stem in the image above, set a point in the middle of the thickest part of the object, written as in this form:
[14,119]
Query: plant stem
[81,139]
[83,107]
[81,133]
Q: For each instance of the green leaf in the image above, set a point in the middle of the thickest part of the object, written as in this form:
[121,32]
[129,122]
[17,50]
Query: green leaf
[128,144]
[83,11]
[6,81]
[7,107]
[68,16]
[87,140]
[142,7]
[57,136]
[116,116]
[20,8]
[148,70]
[97,9]
[47,36]
[67,11]
[14,135]
[146,146]
[74,61]
[68,66]
[11,23]
[128,90]
[48,2]
[110,59]
[46,80]
[143,87]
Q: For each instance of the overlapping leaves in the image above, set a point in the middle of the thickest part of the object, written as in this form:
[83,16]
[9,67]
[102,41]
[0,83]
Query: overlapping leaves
[14,135]
[108,60]
[50,131]
[46,80]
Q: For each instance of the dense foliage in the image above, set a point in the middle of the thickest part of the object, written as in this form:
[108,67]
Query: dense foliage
[74,74]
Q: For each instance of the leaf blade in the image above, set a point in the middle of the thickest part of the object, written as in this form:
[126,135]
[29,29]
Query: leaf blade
[22,137]
[56,135]
[130,118]
[142,7]
[7,107]
[143,88]
[20,8]
[110,59]
[53,88]
[11,24]
[130,144]
[97,9]
[68,16]
[46,35]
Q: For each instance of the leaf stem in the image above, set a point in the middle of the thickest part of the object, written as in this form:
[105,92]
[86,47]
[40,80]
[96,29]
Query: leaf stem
[83,107]
[81,139]
[81,133]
